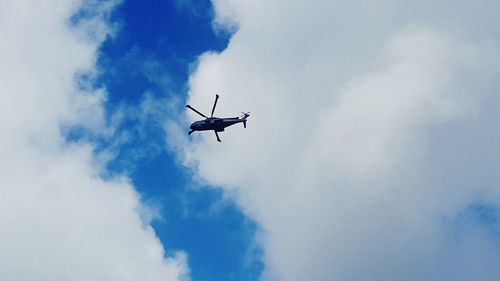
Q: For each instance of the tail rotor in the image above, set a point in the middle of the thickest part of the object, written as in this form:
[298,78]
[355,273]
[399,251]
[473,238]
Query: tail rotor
[244,117]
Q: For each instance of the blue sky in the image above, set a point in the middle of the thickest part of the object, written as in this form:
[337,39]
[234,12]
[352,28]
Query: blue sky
[156,44]
[370,153]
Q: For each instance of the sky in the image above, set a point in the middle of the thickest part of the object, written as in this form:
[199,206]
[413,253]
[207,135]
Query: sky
[371,152]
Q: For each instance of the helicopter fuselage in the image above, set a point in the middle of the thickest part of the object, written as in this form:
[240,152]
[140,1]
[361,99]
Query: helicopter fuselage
[215,124]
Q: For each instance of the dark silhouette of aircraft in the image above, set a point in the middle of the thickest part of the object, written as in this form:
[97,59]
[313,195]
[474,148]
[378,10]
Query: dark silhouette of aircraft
[214,123]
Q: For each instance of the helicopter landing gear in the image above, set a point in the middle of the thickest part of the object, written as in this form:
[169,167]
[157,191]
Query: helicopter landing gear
[217,135]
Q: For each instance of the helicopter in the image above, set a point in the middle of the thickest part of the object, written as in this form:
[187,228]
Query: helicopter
[215,123]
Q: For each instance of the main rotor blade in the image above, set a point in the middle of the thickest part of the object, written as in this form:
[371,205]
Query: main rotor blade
[190,107]
[215,103]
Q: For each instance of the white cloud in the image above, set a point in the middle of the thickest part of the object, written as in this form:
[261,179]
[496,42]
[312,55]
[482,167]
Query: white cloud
[58,219]
[356,160]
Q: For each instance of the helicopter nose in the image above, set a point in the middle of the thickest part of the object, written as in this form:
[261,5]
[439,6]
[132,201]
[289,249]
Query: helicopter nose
[192,126]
